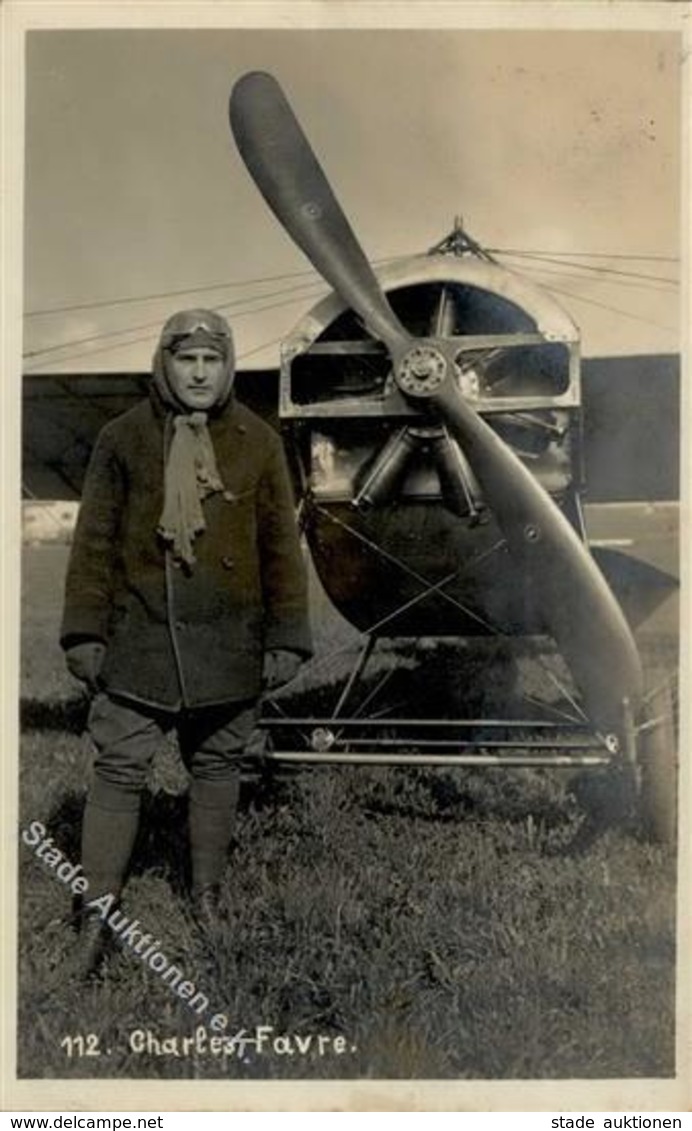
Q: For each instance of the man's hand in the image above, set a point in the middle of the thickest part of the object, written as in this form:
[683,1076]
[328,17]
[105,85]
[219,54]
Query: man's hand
[84,661]
[280,666]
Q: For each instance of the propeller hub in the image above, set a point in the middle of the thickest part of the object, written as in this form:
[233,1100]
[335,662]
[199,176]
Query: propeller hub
[421,371]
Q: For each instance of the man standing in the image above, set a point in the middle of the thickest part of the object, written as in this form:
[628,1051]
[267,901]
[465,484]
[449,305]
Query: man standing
[185,597]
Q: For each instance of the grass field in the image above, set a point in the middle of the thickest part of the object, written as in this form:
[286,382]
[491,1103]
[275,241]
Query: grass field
[425,923]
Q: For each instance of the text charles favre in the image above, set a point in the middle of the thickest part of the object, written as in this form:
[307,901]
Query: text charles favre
[214,1041]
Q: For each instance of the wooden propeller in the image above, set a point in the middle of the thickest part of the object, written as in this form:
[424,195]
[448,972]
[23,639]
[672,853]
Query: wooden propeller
[579,609]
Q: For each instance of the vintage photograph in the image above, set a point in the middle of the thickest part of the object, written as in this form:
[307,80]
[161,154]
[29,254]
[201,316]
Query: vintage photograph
[350,582]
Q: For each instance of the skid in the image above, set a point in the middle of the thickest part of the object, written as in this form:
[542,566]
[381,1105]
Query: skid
[435,742]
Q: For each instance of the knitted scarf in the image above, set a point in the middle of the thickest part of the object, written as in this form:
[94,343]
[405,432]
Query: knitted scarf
[190,475]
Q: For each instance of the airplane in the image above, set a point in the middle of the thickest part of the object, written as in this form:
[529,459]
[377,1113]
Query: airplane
[462,474]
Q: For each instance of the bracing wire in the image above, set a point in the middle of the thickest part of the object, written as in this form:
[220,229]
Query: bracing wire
[592,267]
[586,254]
[540,261]
[259,349]
[129,299]
[147,338]
[556,257]
[608,307]
[568,271]
[303,290]
[122,300]
[299,294]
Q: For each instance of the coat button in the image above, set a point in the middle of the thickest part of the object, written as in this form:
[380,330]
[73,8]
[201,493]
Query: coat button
[242,429]
[180,625]
[227,562]
[229,496]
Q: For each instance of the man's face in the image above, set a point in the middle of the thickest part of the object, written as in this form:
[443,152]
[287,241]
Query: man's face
[196,376]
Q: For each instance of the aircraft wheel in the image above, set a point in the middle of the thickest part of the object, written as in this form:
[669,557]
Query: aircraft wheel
[657,757]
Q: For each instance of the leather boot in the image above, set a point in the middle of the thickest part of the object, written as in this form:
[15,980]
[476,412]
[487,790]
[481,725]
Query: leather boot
[93,944]
[211,821]
[109,828]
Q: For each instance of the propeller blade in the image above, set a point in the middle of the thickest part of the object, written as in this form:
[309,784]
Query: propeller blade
[579,608]
[284,167]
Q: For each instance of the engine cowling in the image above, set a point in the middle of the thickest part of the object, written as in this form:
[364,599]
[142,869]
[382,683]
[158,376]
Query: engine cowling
[397,524]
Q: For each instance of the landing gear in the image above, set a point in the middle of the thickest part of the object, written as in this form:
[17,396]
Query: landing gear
[658,756]
[624,779]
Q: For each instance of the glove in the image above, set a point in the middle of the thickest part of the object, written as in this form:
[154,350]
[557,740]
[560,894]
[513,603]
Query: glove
[84,661]
[280,667]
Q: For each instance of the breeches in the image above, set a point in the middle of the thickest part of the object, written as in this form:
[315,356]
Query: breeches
[212,740]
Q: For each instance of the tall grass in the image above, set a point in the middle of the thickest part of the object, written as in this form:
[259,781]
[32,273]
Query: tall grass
[446,924]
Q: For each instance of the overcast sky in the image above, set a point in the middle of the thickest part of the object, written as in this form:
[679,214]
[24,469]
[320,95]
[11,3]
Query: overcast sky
[557,142]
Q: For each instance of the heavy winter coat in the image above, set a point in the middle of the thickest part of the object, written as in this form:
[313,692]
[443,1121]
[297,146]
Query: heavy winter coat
[179,638]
